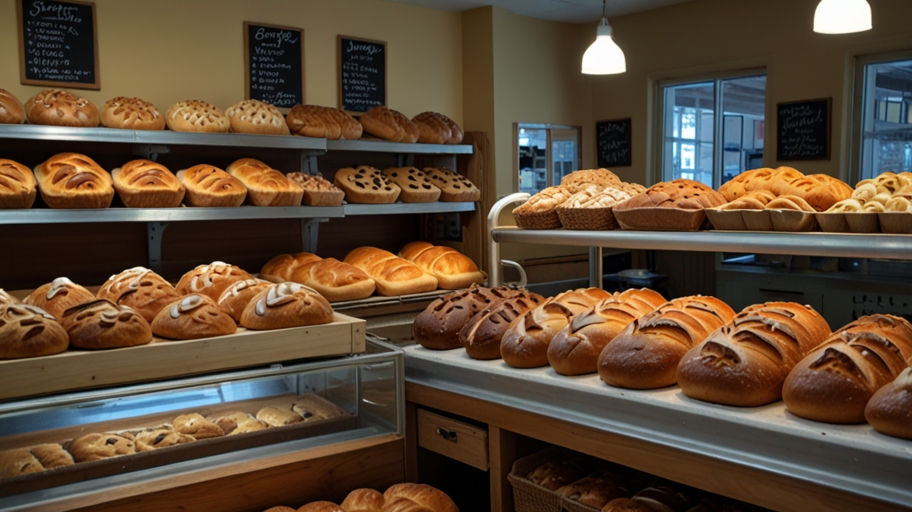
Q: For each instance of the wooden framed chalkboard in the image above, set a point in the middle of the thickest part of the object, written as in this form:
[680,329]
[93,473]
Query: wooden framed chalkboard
[274,64]
[362,74]
[612,141]
[58,44]
[804,129]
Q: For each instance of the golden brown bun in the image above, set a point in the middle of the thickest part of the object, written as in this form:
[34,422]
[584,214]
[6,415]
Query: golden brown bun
[101,446]
[366,185]
[28,331]
[321,506]
[210,280]
[147,184]
[131,114]
[835,381]
[890,409]
[334,279]
[197,426]
[11,109]
[280,268]
[452,269]
[71,180]
[51,455]
[140,289]
[159,438]
[278,417]
[236,297]
[392,274]
[453,186]
[194,316]
[255,116]
[60,108]
[646,354]
[432,128]
[363,500]
[18,187]
[685,194]
[265,185]
[196,116]
[745,362]
[58,296]
[317,190]
[286,305]
[438,326]
[101,324]
[576,348]
[456,133]
[482,336]
[417,495]
[415,186]
[381,122]
[208,185]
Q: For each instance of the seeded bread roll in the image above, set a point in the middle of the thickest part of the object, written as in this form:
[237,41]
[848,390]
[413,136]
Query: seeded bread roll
[265,185]
[101,324]
[366,185]
[890,409]
[286,305]
[147,184]
[28,331]
[482,336]
[11,109]
[140,289]
[196,116]
[60,108]
[18,187]
[210,280]
[415,186]
[255,116]
[438,326]
[71,180]
[192,317]
[208,185]
[131,114]
[58,296]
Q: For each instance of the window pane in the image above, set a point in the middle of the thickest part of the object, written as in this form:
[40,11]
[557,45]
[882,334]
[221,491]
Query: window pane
[743,109]
[533,163]
[887,124]
[688,129]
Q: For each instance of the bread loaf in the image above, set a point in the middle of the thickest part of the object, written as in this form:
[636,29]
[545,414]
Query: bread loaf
[438,326]
[265,185]
[194,316]
[210,280]
[286,305]
[101,446]
[646,354]
[11,109]
[28,331]
[257,117]
[159,438]
[131,114]
[147,184]
[453,186]
[275,417]
[409,129]
[889,411]
[349,127]
[417,497]
[322,123]
[835,381]
[596,490]
[22,461]
[363,500]
[196,116]
[140,289]
[758,179]
[540,211]
[101,324]
[18,187]
[658,498]
[210,186]
[317,190]
[684,194]
[745,362]
[280,268]
[197,426]
[60,108]
[389,124]
[58,296]
[414,185]
[321,506]
[576,348]
[6,298]
[556,474]
[312,408]
[236,297]
[578,181]
[482,336]
[432,128]
[366,185]
[334,280]
[452,269]
[819,190]
[71,180]
[392,274]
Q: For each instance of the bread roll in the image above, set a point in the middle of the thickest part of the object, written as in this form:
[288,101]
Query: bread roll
[414,186]
[452,269]
[196,116]
[286,305]
[22,461]
[652,499]
[312,408]
[322,123]
[131,114]
[71,180]
[265,185]
[646,354]
[255,116]
[197,426]
[745,362]
[60,108]
[366,185]
[432,128]
[210,280]
[890,409]
[280,268]
[596,490]
[18,187]
[819,190]
[140,289]
[556,474]
[317,190]
[835,381]
[453,186]
[194,316]
[363,500]
[578,181]
[278,417]
[334,280]
[58,296]
[576,348]
[416,496]
[680,193]
[11,109]
[101,446]
[236,297]
[147,184]
[392,274]
[482,336]
[159,438]
[101,324]
[28,331]
[210,186]
[438,326]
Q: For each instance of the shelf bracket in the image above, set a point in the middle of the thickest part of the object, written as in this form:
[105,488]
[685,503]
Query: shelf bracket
[154,233]
[150,151]
[309,163]
[404,159]
[310,229]
[595,267]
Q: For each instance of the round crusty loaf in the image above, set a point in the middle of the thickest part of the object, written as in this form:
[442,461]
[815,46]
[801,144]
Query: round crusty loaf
[210,280]
[432,128]
[60,108]
[363,500]
[18,187]
[196,116]
[236,297]
[58,296]
[101,324]
[438,326]
[321,506]
[131,114]
[29,331]
[409,496]
[286,305]
[191,317]
[254,116]
[146,184]
[72,180]
[482,336]
[890,409]
[140,289]
[11,109]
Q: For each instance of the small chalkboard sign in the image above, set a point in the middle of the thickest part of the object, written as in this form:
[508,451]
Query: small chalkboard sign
[274,64]
[362,74]
[613,143]
[58,44]
[804,129]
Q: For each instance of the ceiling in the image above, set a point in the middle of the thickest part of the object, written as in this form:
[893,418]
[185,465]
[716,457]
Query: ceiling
[570,11]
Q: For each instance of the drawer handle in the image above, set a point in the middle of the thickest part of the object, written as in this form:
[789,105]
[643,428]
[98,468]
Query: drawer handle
[449,435]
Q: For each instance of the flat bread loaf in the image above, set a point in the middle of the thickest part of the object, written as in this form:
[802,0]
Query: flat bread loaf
[265,185]
[60,108]
[147,184]
[132,114]
[414,184]
[366,185]
[11,109]
[452,269]
[71,180]
[255,116]
[453,186]
[196,116]
[392,274]
[208,185]
[18,187]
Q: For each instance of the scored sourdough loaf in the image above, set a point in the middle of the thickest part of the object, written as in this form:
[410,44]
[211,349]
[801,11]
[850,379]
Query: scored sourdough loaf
[11,109]
[131,114]
[255,116]
[482,336]
[265,185]
[280,268]
[18,187]
[366,185]
[210,280]
[147,184]
[414,185]
[452,269]
[29,331]
[392,274]
[438,326]
[101,324]
[210,186]
[236,297]
[890,409]
[60,108]
[745,362]
[285,305]
[646,354]
[58,296]
[317,190]
[453,186]
[71,180]
[834,382]
[140,289]
[191,317]
[335,280]
[196,116]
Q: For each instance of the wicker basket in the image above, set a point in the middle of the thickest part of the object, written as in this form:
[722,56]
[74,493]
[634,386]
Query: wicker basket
[529,496]
[537,220]
[588,218]
[569,505]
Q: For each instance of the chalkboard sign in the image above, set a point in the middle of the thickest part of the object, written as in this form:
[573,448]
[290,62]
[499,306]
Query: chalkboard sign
[362,74]
[613,143]
[58,44]
[274,64]
[804,130]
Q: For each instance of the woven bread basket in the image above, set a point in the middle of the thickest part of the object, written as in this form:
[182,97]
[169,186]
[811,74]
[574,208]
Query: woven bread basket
[537,220]
[588,218]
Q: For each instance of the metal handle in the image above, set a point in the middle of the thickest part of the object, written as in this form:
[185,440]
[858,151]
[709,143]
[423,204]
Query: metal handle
[449,435]
[495,276]
[523,279]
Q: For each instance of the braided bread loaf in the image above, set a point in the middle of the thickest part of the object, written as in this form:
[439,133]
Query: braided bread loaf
[481,337]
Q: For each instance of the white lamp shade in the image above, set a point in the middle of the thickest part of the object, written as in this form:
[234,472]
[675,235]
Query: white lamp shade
[842,16]
[604,57]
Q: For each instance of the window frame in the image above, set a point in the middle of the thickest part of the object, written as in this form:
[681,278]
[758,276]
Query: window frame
[549,160]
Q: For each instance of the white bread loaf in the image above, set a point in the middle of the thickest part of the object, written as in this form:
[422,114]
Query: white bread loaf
[392,274]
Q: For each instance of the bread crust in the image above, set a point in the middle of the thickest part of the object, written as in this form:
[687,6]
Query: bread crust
[680,193]
[29,331]
[72,180]
[334,280]
[286,305]
[191,317]
[322,123]
[58,296]
[414,185]
[438,326]
[380,122]
[210,280]
[257,117]
[210,186]
[132,114]
[265,185]
[317,190]
[196,116]
[147,184]
[18,187]
[363,500]
[11,109]
[452,269]
[60,108]
[890,409]
[140,289]
[419,495]
[482,336]
[366,185]
[101,324]
[432,128]
[280,268]
[453,186]
[392,274]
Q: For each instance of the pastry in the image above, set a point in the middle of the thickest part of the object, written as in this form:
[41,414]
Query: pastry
[140,289]
[278,417]
[334,280]
[577,181]
[210,280]
[51,455]
[366,185]
[58,296]
[231,421]
[210,186]
[317,190]
[392,274]
[889,411]
[452,269]
[286,305]
[28,331]
[417,496]
[483,334]
[249,425]
[131,114]
[313,409]
[18,187]
[236,297]
[280,268]
[363,500]
[438,326]
[22,461]
[60,108]
[6,298]
[147,184]
[101,324]
[540,211]
[254,116]
[71,180]
[197,426]
[11,109]
[758,179]
[160,438]
[820,191]
[101,446]
[414,185]
[196,116]
[453,186]
[646,354]
[194,316]
[265,185]
[432,128]
[745,362]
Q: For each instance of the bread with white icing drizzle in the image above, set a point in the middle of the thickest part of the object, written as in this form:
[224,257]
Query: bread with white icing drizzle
[194,316]
[286,305]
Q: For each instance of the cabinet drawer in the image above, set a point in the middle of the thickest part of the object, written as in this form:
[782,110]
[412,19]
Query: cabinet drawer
[455,439]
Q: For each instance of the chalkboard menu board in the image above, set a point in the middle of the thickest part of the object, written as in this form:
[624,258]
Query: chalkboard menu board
[803,129]
[613,143]
[362,74]
[58,44]
[274,64]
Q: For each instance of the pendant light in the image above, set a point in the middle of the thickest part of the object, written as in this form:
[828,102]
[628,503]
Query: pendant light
[842,16]
[604,56]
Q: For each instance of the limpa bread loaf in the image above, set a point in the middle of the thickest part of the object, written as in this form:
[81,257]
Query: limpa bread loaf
[255,116]
[453,186]
[210,280]
[196,116]
[208,185]
[482,336]
[140,289]
[191,317]
[147,184]
[101,324]
[890,409]
[58,296]
[452,269]
[280,268]
[72,180]
[366,185]
[265,185]
[18,187]
[286,305]
[335,280]
[29,331]
[131,114]
[60,108]
[236,297]
[392,274]
[438,326]
[414,185]
[11,109]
